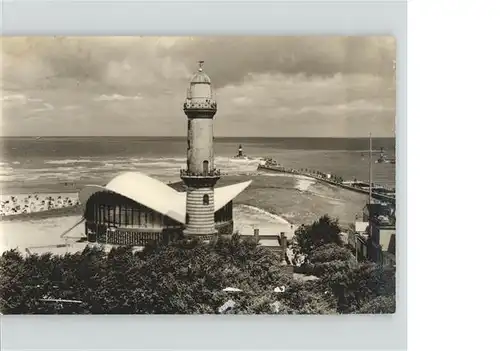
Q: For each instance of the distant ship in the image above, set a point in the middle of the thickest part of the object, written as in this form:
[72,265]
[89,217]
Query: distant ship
[242,157]
[383,158]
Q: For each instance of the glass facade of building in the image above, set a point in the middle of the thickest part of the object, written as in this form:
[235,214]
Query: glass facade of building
[114,219]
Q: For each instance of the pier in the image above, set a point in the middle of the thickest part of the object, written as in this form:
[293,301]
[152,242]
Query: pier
[320,176]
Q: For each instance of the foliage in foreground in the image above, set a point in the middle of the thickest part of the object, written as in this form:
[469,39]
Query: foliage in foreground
[357,287]
[189,276]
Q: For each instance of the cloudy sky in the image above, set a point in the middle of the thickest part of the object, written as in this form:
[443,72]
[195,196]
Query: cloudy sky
[265,86]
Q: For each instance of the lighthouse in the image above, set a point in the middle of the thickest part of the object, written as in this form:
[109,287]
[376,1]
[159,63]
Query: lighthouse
[200,176]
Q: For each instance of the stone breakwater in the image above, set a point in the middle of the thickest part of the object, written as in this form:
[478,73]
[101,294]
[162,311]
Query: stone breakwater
[325,178]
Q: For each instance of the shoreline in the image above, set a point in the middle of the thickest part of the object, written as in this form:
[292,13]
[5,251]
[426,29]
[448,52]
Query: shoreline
[266,212]
[43,234]
[74,210]
[78,210]
[26,192]
[302,186]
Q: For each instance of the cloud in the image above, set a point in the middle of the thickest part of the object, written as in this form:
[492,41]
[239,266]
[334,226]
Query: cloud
[123,62]
[16,99]
[290,86]
[46,107]
[136,61]
[233,59]
[70,107]
[117,97]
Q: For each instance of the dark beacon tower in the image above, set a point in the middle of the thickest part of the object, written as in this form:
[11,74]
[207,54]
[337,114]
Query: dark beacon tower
[200,176]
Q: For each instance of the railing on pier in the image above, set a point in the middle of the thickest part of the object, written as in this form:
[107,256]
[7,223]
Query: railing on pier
[322,177]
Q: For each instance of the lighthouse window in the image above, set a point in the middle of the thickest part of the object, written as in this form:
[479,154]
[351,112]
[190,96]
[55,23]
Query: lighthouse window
[205,167]
[205,199]
[190,132]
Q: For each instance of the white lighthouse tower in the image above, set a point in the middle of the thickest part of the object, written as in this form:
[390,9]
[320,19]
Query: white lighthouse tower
[200,176]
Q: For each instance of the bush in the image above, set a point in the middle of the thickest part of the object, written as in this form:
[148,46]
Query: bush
[323,231]
[380,304]
[189,276]
[186,277]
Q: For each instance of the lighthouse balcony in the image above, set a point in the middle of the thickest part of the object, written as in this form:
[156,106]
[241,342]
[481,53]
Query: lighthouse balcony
[215,173]
[206,104]
[204,179]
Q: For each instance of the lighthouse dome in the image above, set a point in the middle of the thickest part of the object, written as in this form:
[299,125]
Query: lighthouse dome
[200,78]
[200,95]
[200,87]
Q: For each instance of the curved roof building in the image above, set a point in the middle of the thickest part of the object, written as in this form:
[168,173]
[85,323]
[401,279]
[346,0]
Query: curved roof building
[134,208]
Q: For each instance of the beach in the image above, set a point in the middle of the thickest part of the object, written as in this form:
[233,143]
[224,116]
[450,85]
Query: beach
[273,204]
[59,167]
[43,235]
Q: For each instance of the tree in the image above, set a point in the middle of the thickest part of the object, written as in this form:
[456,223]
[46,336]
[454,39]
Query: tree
[185,277]
[355,284]
[330,252]
[323,231]
[347,283]
[189,276]
[378,305]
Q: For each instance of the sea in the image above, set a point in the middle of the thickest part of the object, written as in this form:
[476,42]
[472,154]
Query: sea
[274,203]
[65,164]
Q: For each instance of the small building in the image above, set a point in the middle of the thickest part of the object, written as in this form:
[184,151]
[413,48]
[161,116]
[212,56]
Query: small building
[357,239]
[382,243]
[375,237]
[135,209]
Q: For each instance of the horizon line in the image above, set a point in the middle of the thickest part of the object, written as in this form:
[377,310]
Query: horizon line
[183,136]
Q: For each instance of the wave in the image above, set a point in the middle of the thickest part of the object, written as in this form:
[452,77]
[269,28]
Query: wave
[165,164]
[7,178]
[6,171]
[258,212]
[304,184]
[67,161]
[279,174]
[220,162]
[58,171]
[154,159]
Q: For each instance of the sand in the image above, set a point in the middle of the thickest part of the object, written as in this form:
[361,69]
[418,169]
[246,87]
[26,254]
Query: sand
[35,205]
[301,201]
[6,196]
[39,236]
[247,218]
[33,233]
[304,184]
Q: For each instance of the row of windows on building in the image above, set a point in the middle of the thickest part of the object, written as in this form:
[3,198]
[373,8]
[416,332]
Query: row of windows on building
[130,238]
[122,216]
[136,238]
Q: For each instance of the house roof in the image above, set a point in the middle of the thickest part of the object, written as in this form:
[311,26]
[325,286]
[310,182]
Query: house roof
[157,195]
